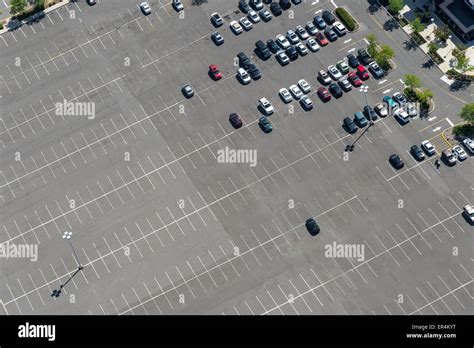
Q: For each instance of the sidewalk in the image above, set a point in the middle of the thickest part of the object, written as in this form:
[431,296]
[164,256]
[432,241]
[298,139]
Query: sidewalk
[12,24]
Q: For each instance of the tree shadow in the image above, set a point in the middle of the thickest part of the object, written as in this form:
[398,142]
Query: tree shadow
[459,86]
[428,64]
[391,25]
[410,44]
[373,6]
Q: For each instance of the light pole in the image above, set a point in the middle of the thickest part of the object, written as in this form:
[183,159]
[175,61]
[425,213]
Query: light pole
[57,292]
[364,89]
[434,27]
[449,38]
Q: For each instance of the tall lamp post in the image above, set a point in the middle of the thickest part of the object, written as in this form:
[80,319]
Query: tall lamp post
[57,292]
[364,89]
[449,38]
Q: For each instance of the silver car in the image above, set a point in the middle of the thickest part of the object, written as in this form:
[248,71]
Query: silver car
[334,72]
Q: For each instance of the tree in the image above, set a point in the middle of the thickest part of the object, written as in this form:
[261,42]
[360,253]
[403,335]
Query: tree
[395,6]
[442,33]
[432,48]
[467,113]
[373,43]
[383,57]
[412,81]
[463,61]
[417,26]
[17,6]
[424,96]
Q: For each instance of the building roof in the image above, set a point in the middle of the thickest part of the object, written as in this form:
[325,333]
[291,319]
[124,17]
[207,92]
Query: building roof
[460,12]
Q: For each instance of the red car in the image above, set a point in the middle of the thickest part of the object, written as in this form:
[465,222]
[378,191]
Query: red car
[321,39]
[214,70]
[354,79]
[324,94]
[362,72]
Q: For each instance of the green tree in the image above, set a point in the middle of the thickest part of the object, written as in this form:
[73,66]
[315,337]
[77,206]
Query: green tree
[432,48]
[395,6]
[383,57]
[425,96]
[417,26]
[442,33]
[463,61]
[17,6]
[467,113]
[373,43]
[412,81]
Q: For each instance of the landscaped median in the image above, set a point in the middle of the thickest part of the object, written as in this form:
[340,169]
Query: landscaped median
[346,19]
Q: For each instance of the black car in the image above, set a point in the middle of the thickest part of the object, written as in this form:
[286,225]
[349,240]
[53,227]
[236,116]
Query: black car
[91,2]
[276,9]
[396,161]
[244,61]
[349,125]
[312,226]
[353,61]
[265,15]
[364,56]
[292,53]
[187,91]
[417,153]
[273,46]
[330,34]
[335,90]
[235,120]
[254,72]
[285,4]
[370,113]
[257,5]
[244,7]
[263,50]
[319,22]
[328,17]
[217,38]
[266,2]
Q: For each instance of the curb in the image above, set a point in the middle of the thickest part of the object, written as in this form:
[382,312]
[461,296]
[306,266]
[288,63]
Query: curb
[33,17]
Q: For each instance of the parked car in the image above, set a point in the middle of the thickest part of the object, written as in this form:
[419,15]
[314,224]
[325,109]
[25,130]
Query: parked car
[265,15]
[217,39]
[342,66]
[301,48]
[370,113]
[311,28]
[321,39]
[292,37]
[257,5]
[282,58]
[428,148]
[349,125]
[412,110]
[187,91]
[319,22]
[306,102]
[396,161]
[216,19]
[285,95]
[312,227]
[363,74]
[236,28]
[401,115]
[304,86]
[345,84]
[215,73]
[354,79]
[352,60]
[235,120]
[335,90]
[245,23]
[272,46]
[285,4]
[296,92]
[244,6]
[448,157]
[292,53]
[178,6]
[254,72]
[301,32]
[469,145]
[400,99]
[390,102]
[459,152]
[253,16]
[312,45]
[376,70]
[364,56]
[328,17]
[324,77]
[468,212]
[381,109]
[243,76]
[266,106]
[265,124]
[282,41]
[244,61]
[335,74]
[330,34]
[324,94]
[276,9]
[417,153]
[146,9]
[360,119]
[263,50]
[339,28]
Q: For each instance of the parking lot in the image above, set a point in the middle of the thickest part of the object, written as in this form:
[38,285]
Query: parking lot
[161,227]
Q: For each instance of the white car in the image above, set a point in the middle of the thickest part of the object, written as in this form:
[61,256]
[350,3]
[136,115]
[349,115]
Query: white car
[381,109]
[292,37]
[312,45]
[324,77]
[301,32]
[266,106]
[302,50]
[245,23]
[297,94]
[145,8]
[459,152]
[412,109]
[339,28]
[244,76]
[311,28]
[428,148]
[334,72]
[306,102]
[282,41]
[401,115]
[282,58]
[468,211]
[253,16]
[178,6]
[236,28]
[304,86]
[285,95]
[469,145]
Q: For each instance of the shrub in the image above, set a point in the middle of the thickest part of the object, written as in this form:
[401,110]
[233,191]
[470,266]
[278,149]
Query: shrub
[454,74]
[1,26]
[464,130]
[420,40]
[346,18]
